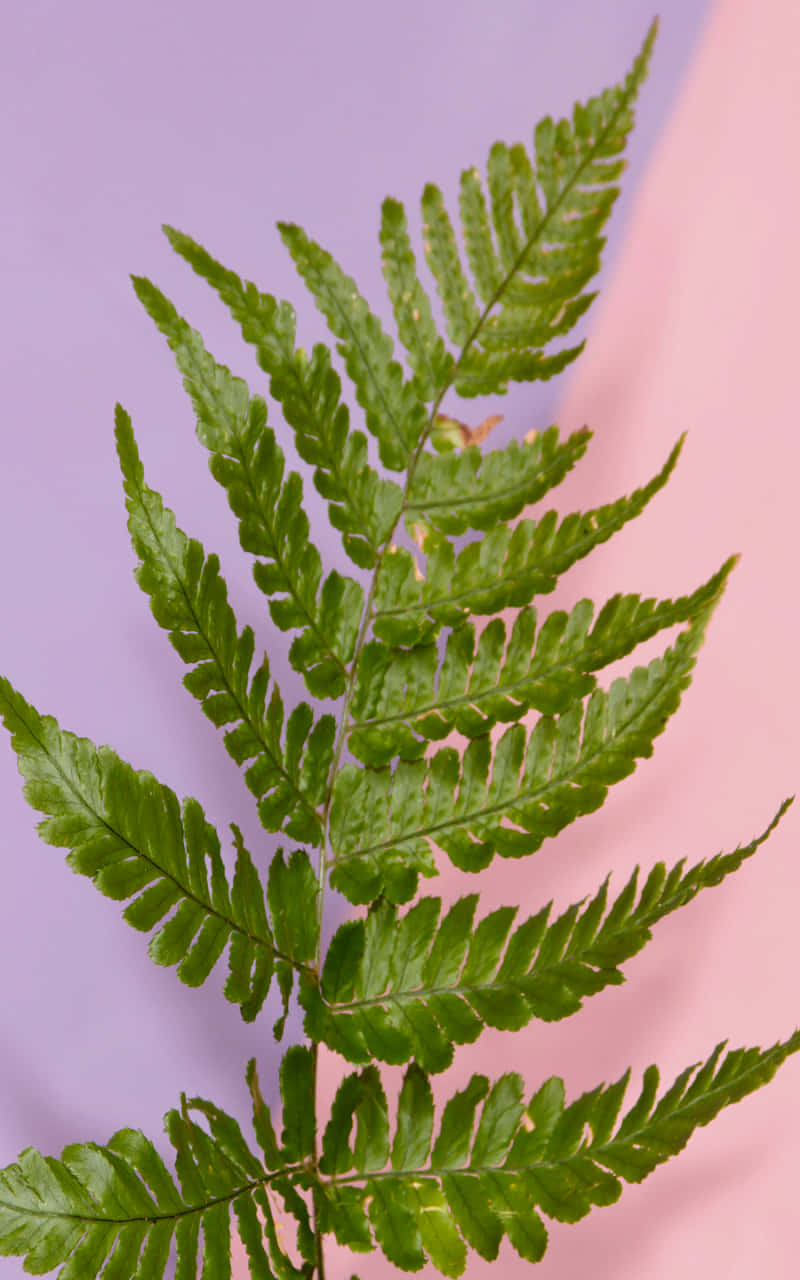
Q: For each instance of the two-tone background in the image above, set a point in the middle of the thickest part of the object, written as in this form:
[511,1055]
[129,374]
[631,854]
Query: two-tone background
[119,117]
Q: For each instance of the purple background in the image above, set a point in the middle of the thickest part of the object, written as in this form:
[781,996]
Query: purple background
[117,119]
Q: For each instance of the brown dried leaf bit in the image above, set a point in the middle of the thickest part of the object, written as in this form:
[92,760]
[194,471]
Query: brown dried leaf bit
[454,434]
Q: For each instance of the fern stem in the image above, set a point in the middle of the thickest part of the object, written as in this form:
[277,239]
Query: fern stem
[318,1236]
[326,861]
[327,856]
[406,505]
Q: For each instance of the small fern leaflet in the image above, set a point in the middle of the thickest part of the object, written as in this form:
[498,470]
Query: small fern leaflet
[189,599]
[414,986]
[116,1209]
[362,505]
[497,1165]
[130,835]
[247,462]
[394,413]
[471,489]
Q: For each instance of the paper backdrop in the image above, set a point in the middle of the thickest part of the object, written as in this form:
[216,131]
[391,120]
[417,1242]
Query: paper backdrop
[119,118]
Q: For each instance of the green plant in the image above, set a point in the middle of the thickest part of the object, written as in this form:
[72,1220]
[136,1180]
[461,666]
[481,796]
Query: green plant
[400,985]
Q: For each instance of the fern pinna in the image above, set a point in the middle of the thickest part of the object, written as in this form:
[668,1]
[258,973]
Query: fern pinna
[360,799]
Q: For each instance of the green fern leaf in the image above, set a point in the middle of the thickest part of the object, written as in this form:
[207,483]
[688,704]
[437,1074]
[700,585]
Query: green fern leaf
[471,489]
[497,1166]
[431,362]
[117,1209]
[297,1074]
[534,246]
[505,569]
[247,462]
[487,372]
[262,1119]
[129,834]
[504,800]
[297,1091]
[461,311]
[483,259]
[189,599]
[406,698]
[362,506]
[394,413]
[504,185]
[292,892]
[442,983]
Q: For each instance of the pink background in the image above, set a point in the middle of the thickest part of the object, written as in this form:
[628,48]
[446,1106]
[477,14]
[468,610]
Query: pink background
[118,121]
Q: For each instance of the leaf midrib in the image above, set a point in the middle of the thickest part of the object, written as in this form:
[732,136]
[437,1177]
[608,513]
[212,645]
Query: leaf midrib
[188,1211]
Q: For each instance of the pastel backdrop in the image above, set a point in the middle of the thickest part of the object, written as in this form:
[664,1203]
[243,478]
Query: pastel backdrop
[118,118]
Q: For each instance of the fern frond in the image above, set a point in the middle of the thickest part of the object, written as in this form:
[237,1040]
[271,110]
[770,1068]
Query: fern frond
[117,1209]
[405,698]
[505,800]
[472,489]
[532,247]
[247,462]
[129,834]
[189,599]
[394,412]
[406,982]
[505,569]
[497,1166]
[362,505]
[414,986]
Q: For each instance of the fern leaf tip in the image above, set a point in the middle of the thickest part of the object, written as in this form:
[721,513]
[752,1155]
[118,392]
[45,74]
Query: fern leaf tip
[142,287]
[782,811]
[124,437]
